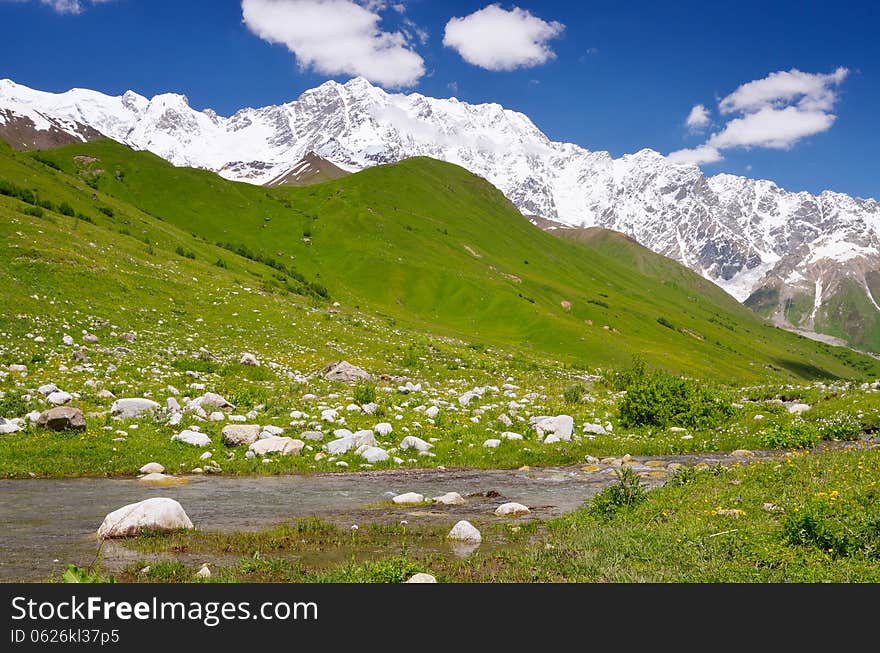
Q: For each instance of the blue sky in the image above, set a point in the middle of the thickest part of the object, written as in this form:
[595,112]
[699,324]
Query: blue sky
[619,76]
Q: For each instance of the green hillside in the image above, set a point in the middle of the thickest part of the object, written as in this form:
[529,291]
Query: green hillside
[423,245]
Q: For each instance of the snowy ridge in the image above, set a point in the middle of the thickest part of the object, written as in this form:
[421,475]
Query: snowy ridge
[740,233]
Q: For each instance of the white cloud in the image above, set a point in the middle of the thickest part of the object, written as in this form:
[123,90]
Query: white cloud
[696,156]
[336,37]
[777,129]
[698,118]
[813,91]
[775,112]
[67,6]
[496,39]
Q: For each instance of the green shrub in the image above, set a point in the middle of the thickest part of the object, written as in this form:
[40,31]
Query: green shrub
[662,321]
[66,209]
[35,211]
[573,393]
[663,400]
[627,492]
[364,392]
[840,426]
[835,528]
[796,434]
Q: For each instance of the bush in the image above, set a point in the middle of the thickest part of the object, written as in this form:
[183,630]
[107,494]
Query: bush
[35,211]
[364,392]
[573,393]
[66,209]
[663,400]
[830,527]
[627,492]
[840,426]
[662,321]
[797,434]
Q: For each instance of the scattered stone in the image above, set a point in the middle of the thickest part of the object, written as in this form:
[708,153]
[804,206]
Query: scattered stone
[194,438]
[59,398]
[162,480]
[449,499]
[47,389]
[509,435]
[408,498]
[133,408]
[742,453]
[595,429]
[211,400]
[511,510]
[422,578]
[62,419]
[383,428]
[7,427]
[464,531]
[281,446]
[797,409]
[236,435]
[562,426]
[412,442]
[90,338]
[432,412]
[249,360]
[204,571]
[344,372]
[154,514]
[374,454]
[491,443]
[152,468]
[329,415]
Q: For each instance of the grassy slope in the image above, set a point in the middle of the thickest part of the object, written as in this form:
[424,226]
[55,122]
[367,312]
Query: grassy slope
[436,249]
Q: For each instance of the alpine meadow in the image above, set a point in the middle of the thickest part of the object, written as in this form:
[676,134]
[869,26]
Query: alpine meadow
[372,336]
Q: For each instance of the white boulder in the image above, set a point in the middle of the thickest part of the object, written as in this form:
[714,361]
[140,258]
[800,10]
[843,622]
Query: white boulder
[464,531]
[133,408]
[154,514]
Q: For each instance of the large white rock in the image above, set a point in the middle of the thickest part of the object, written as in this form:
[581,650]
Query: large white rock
[449,499]
[595,429]
[152,468]
[346,372]
[374,455]
[412,442]
[464,531]
[47,389]
[281,446]
[194,438]
[510,435]
[432,412]
[210,401]
[422,578]
[154,514]
[797,408]
[511,510]
[236,435]
[340,446]
[329,415]
[249,359]
[133,408]
[383,428]
[491,443]
[409,498]
[365,437]
[7,427]
[59,398]
[562,426]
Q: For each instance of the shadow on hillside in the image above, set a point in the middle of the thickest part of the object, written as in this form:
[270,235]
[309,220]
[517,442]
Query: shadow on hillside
[804,370]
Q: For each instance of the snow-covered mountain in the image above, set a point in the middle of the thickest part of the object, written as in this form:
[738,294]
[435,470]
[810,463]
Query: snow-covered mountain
[811,261]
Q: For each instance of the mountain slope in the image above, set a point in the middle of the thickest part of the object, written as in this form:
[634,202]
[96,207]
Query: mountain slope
[434,249]
[745,235]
